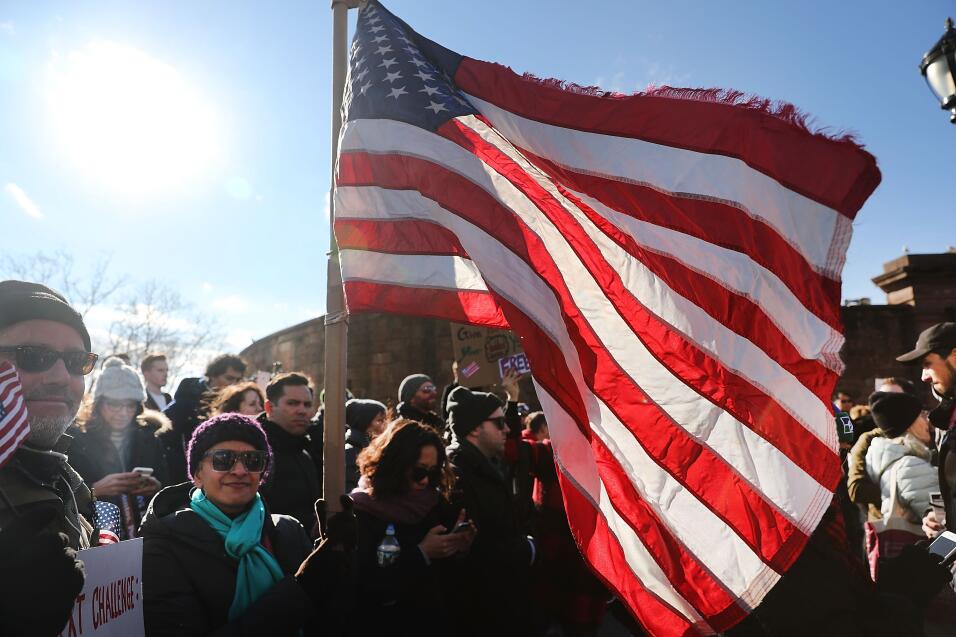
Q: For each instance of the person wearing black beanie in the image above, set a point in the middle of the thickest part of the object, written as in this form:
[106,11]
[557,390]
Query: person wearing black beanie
[494,589]
[365,419]
[418,398]
[900,460]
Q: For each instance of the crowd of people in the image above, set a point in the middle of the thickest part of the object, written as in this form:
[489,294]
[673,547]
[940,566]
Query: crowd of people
[453,524]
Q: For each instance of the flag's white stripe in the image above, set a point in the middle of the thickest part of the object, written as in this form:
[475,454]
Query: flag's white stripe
[733,351]
[576,460]
[739,274]
[5,385]
[758,461]
[431,271]
[17,429]
[689,520]
[809,226]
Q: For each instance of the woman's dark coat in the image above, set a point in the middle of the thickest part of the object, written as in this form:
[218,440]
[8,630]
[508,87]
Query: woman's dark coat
[189,580]
[407,597]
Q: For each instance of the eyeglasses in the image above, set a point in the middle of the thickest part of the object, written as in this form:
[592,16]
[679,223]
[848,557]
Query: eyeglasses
[117,405]
[36,358]
[224,460]
[498,422]
[428,389]
[420,473]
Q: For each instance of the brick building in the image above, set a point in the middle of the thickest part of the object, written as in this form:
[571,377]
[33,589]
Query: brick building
[920,290]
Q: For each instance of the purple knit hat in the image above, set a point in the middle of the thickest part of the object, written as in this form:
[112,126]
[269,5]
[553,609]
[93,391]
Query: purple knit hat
[231,426]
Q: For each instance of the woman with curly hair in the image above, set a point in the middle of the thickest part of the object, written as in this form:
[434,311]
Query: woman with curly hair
[403,492]
[243,398]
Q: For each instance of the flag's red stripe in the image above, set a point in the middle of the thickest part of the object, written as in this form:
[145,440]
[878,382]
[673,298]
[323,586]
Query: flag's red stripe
[469,201]
[716,223]
[837,174]
[604,555]
[739,313]
[400,236]
[683,571]
[7,449]
[700,371]
[696,467]
[461,306]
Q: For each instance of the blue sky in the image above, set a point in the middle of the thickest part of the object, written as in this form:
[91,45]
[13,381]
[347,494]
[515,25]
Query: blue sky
[234,217]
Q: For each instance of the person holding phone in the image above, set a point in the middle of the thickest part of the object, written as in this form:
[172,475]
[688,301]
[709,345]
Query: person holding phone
[115,437]
[404,487]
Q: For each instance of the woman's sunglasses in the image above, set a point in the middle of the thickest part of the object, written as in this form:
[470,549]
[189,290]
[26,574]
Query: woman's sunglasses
[36,358]
[420,473]
[224,460]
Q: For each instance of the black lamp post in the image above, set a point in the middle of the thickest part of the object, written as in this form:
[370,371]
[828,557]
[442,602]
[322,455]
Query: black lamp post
[939,69]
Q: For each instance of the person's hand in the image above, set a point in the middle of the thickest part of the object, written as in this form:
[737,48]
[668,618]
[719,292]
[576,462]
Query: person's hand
[510,384]
[44,575]
[148,486]
[340,529]
[454,371]
[915,574]
[117,484]
[439,543]
[931,526]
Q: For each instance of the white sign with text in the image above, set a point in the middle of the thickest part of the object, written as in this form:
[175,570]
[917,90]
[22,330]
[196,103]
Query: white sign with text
[111,603]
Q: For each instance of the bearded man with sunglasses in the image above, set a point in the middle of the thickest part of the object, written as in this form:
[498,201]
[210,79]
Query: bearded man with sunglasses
[45,507]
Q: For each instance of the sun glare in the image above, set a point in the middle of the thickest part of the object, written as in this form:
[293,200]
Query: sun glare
[129,121]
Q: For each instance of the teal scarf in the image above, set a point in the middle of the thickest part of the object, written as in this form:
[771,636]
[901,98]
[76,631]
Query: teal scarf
[258,570]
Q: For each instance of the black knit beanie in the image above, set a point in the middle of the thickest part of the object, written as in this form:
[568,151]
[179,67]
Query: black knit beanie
[410,385]
[360,412]
[467,409]
[24,301]
[894,412]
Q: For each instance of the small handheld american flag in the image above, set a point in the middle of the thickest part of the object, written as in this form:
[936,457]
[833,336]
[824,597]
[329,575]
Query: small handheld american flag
[106,516]
[14,424]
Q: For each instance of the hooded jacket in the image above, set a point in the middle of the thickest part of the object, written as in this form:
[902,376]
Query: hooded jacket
[189,580]
[915,476]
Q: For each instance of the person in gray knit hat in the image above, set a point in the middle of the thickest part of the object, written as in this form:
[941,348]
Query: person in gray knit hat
[116,435]
[418,397]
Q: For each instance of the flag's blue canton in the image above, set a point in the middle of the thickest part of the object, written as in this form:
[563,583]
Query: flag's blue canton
[106,515]
[390,78]
[3,411]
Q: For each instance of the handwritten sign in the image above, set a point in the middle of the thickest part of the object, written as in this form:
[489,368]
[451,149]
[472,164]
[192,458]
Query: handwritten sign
[111,603]
[478,351]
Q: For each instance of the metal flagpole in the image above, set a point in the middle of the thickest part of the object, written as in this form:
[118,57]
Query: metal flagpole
[336,319]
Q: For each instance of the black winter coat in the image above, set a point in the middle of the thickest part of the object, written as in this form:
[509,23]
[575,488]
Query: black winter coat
[293,485]
[189,580]
[493,591]
[94,457]
[187,411]
[941,417]
[355,442]
[407,597]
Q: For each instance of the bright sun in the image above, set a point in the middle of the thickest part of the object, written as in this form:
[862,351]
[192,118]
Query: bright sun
[129,121]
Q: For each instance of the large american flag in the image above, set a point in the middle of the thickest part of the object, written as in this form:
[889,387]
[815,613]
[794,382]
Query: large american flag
[14,425]
[671,263]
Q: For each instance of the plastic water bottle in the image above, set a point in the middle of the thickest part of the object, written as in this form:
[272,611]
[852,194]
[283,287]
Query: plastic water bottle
[389,550]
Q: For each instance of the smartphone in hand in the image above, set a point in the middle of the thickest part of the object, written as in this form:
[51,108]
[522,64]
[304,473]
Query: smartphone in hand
[945,546]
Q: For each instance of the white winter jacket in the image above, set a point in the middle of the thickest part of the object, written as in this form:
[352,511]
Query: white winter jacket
[915,476]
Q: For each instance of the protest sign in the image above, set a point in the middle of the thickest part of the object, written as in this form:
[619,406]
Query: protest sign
[111,603]
[478,351]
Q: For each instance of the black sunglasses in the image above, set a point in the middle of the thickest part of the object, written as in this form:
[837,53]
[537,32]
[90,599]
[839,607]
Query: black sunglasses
[36,358]
[498,422]
[420,473]
[224,460]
